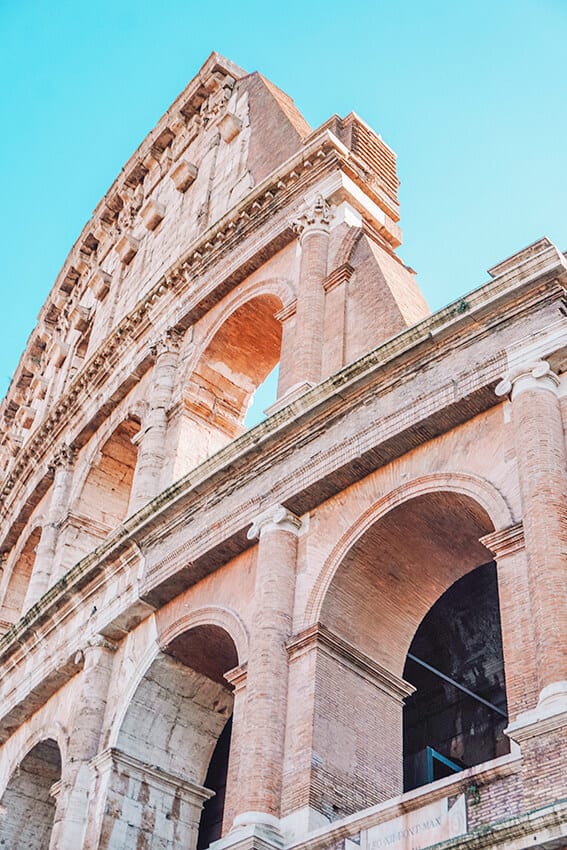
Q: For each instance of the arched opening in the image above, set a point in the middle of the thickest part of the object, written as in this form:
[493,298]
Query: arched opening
[106,491]
[175,735]
[263,397]
[12,606]
[457,715]
[27,808]
[237,361]
[104,497]
[381,591]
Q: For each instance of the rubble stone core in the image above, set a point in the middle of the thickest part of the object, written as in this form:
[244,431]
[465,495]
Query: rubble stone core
[208,633]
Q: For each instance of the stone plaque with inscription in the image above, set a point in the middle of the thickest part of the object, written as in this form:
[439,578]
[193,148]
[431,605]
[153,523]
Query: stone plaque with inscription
[419,828]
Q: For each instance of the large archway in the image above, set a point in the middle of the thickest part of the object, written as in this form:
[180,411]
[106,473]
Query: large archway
[27,808]
[386,582]
[103,498]
[234,361]
[17,586]
[168,745]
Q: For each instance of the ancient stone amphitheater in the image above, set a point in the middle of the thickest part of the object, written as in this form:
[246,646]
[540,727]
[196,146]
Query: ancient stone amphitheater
[344,626]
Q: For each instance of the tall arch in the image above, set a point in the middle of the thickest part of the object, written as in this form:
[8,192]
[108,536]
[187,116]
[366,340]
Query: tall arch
[27,807]
[102,494]
[234,351]
[476,488]
[457,715]
[382,577]
[168,734]
[19,579]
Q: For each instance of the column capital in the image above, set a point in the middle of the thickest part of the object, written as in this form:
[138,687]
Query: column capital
[95,642]
[64,457]
[531,375]
[316,217]
[168,342]
[276,517]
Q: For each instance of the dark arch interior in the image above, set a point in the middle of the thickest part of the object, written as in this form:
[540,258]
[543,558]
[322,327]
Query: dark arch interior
[446,729]
[210,827]
[206,649]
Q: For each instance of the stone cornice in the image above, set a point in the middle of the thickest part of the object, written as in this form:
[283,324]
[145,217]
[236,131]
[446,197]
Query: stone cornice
[157,777]
[320,637]
[506,542]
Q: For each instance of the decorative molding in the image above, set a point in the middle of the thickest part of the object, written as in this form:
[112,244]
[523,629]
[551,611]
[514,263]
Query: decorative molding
[549,715]
[63,457]
[341,274]
[534,375]
[315,218]
[98,641]
[276,518]
[237,677]
[287,311]
[323,639]
[167,343]
[155,776]
[506,542]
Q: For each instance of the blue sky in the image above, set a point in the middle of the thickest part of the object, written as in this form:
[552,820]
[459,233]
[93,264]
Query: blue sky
[472,97]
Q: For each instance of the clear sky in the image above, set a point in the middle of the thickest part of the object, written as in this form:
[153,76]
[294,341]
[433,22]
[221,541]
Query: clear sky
[471,96]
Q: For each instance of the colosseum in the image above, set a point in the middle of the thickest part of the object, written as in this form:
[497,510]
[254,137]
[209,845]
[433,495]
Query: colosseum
[343,628]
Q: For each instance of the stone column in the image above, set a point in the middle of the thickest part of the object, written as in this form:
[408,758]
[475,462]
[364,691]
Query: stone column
[237,678]
[43,568]
[262,746]
[71,816]
[152,442]
[313,230]
[542,469]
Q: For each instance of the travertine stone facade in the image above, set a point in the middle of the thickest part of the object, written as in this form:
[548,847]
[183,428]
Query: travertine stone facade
[208,632]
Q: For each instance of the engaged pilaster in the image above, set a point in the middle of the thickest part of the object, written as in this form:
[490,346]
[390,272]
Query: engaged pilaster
[313,230]
[71,815]
[542,468]
[43,569]
[151,448]
[267,675]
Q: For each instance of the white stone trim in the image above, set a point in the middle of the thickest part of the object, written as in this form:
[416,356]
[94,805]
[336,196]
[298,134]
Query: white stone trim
[275,518]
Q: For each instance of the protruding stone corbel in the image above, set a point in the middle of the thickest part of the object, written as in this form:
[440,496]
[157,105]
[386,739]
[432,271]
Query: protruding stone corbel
[99,284]
[230,126]
[183,175]
[98,641]
[127,248]
[152,213]
[275,517]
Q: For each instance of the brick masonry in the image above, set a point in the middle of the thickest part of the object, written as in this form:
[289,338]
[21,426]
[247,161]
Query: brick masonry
[164,569]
